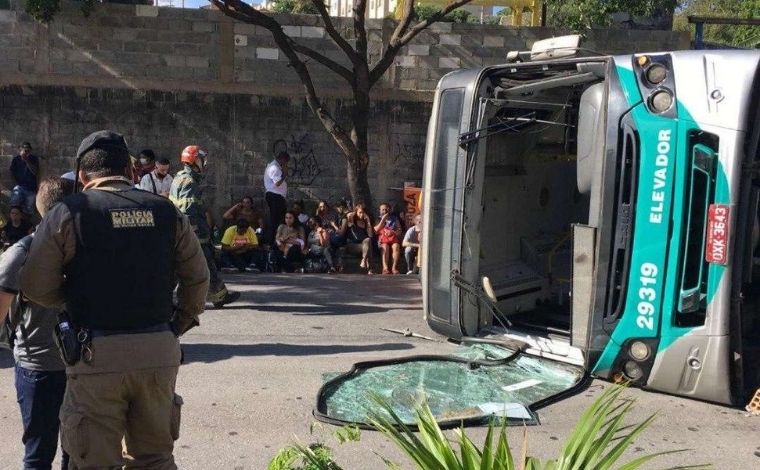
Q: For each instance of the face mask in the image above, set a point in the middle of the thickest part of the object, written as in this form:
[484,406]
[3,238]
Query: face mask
[144,161]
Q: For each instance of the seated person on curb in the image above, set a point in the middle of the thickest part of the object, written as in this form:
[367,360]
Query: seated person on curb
[290,241]
[325,213]
[17,227]
[297,209]
[245,210]
[338,225]
[359,236]
[319,242]
[411,244]
[240,246]
[388,231]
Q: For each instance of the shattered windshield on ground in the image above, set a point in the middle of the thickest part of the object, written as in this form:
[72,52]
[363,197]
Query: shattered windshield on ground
[476,382]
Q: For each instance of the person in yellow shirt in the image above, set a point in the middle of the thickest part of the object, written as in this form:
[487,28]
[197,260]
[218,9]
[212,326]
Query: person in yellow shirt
[240,246]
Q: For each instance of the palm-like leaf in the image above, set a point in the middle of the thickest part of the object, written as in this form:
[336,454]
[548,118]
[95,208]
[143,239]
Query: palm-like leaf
[599,440]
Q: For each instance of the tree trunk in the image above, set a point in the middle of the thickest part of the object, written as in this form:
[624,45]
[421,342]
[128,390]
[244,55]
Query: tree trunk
[358,163]
[358,184]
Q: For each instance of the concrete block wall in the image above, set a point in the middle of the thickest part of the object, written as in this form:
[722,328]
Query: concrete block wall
[238,131]
[151,47]
[169,77]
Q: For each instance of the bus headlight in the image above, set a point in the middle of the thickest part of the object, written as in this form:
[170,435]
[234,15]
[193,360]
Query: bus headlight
[639,351]
[656,74]
[632,371]
[661,100]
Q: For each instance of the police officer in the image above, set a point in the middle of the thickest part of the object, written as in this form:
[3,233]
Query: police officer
[87,255]
[186,194]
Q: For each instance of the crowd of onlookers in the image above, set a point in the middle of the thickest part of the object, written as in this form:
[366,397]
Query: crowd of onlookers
[250,238]
[320,242]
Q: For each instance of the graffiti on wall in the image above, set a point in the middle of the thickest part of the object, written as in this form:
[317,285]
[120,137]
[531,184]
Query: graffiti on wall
[304,167]
[409,154]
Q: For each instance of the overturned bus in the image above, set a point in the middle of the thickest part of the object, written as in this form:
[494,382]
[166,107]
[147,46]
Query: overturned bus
[604,210]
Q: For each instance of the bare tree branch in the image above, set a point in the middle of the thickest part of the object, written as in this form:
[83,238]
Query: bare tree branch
[406,20]
[243,12]
[333,33]
[260,19]
[360,29]
[327,62]
[403,35]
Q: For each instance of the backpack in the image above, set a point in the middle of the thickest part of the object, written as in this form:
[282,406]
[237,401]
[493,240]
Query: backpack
[315,265]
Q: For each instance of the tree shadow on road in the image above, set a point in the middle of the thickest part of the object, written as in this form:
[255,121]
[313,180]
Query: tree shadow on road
[300,288]
[324,309]
[208,353]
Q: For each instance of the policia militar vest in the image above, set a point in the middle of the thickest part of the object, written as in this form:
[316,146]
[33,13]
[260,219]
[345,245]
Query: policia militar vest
[122,275]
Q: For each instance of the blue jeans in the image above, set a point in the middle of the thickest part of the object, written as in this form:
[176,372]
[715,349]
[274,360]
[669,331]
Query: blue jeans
[24,198]
[40,395]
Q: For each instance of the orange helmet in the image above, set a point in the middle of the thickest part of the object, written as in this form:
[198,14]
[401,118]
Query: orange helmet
[192,154]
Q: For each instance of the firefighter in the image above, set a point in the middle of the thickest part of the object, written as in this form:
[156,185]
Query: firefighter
[186,194]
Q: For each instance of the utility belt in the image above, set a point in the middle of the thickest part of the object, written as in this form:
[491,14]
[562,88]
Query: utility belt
[75,343]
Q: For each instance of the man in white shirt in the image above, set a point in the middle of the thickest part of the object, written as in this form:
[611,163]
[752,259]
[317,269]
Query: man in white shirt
[158,181]
[276,191]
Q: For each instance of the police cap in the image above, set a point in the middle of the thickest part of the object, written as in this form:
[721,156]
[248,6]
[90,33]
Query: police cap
[104,140]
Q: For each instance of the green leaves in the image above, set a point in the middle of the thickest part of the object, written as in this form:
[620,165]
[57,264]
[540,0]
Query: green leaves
[732,35]
[433,450]
[580,15]
[43,10]
[598,441]
[348,434]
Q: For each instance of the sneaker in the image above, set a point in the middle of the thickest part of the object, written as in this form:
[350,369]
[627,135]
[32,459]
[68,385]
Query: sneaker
[410,272]
[228,299]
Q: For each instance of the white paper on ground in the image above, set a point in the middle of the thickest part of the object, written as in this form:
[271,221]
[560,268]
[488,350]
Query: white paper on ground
[521,385]
[508,410]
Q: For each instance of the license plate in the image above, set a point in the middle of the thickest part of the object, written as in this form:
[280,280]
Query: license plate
[716,250]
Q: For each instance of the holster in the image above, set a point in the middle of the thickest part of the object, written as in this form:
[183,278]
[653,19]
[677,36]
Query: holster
[67,339]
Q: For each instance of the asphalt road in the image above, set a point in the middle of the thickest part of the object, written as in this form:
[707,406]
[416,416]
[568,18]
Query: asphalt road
[253,369]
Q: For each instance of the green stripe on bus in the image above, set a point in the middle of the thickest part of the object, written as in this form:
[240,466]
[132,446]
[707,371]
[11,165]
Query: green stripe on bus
[651,298]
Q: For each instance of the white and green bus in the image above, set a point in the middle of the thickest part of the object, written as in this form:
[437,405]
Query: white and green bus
[603,209]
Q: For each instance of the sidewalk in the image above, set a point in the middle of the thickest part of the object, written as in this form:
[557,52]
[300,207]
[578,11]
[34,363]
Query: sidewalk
[253,369]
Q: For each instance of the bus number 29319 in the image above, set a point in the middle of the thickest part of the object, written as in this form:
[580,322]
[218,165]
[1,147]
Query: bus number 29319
[647,296]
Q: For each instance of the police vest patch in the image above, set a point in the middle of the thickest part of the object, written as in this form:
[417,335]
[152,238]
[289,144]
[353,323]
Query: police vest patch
[132,218]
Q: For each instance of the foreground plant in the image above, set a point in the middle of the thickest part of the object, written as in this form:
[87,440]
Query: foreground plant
[598,442]
[315,456]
